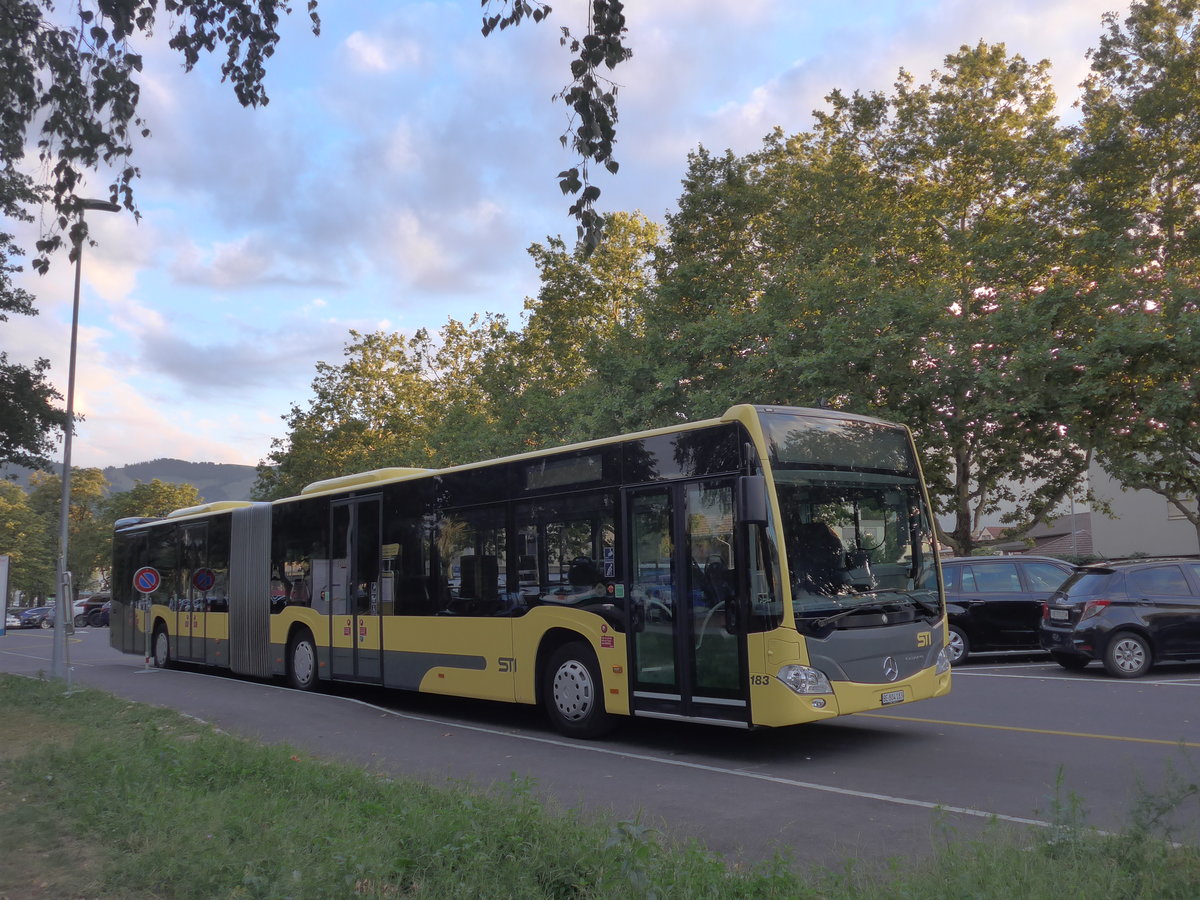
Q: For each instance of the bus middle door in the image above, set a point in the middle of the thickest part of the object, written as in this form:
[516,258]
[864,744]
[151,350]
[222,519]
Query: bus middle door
[357,646]
[191,620]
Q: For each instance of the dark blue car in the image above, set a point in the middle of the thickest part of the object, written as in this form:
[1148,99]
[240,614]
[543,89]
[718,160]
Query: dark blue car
[36,617]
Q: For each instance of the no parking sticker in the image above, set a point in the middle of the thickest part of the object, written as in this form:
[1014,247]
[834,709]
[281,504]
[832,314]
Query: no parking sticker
[146,579]
[203,580]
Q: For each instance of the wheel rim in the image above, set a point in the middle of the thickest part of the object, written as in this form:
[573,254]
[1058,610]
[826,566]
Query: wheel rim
[161,650]
[574,692]
[302,662]
[956,646]
[1129,655]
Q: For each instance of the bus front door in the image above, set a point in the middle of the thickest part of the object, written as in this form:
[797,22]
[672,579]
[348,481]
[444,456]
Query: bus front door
[356,641]
[685,660]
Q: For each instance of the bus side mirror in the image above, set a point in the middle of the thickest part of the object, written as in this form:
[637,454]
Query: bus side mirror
[752,500]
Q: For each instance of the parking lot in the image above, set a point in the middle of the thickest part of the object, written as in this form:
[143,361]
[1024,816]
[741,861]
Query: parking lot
[1020,742]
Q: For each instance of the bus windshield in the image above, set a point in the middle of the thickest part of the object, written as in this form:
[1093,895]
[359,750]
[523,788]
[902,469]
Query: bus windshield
[854,524]
[855,543]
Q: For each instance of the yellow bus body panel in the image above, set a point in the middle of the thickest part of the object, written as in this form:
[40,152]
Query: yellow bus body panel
[610,647]
[774,704]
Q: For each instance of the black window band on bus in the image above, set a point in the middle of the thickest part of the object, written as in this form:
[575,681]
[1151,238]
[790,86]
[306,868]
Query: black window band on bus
[550,473]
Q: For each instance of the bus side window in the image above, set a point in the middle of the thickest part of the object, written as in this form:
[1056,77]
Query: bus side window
[299,568]
[473,551]
[566,550]
[415,589]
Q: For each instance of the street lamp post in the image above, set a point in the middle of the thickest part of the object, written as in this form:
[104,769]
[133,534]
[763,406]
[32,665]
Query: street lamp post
[66,595]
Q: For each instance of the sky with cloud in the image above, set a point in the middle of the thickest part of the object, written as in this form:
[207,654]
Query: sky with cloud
[401,170]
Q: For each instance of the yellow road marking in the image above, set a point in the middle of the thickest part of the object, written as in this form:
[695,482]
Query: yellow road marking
[1050,731]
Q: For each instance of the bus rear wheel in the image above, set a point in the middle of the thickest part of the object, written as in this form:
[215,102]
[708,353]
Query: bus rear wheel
[572,692]
[162,648]
[302,662]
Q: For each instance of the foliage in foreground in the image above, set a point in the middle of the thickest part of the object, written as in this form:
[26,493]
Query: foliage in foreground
[105,798]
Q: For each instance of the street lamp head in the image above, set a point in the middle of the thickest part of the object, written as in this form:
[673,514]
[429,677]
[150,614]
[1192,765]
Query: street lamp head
[101,205]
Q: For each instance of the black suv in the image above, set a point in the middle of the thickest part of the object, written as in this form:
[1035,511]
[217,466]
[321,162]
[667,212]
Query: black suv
[1127,614]
[995,602]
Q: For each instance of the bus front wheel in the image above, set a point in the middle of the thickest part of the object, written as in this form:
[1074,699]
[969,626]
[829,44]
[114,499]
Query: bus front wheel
[573,692]
[302,662]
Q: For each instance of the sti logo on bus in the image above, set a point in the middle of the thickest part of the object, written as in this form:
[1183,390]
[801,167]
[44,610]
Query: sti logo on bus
[925,639]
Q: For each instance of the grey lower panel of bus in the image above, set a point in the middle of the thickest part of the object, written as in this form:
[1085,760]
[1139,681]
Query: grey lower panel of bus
[710,710]
[250,591]
[861,654]
[401,669]
[406,670]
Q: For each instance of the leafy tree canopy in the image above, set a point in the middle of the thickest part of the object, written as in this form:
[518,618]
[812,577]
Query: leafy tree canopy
[893,261]
[1137,334]
[89,531]
[150,499]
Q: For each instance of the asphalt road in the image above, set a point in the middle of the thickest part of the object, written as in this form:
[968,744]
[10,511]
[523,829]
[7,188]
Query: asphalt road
[1017,743]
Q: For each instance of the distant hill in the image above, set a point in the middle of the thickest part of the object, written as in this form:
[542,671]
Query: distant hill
[214,481]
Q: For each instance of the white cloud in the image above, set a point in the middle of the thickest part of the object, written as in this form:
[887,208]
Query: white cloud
[375,53]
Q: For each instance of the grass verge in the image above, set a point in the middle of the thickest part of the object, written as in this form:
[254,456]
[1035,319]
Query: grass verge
[104,798]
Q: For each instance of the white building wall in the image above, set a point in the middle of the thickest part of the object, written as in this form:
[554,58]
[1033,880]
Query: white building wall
[1144,522]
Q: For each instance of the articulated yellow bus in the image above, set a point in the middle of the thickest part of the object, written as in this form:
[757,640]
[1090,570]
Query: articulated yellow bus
[769,567]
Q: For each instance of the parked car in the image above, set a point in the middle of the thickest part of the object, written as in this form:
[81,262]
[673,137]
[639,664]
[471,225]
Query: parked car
[99,618]
[995,602]
[91,610]
[12,620]
[37,617]
[1129,615]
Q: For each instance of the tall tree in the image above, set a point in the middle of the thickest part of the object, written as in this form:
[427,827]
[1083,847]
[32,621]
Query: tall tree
[894,261]
[154,498]
[1138,166]
[977,159]
[28,415]
[375,409]
[581,334]
[89,531]
[29,544]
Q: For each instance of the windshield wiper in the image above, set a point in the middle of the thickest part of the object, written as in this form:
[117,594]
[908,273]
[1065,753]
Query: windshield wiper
[862,607]
[931,609]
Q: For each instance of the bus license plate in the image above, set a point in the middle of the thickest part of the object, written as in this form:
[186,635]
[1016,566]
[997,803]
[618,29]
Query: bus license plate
[889,697]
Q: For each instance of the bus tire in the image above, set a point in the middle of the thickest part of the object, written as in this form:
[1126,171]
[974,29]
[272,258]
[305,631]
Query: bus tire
[302,661]
[162,647]
[573,693]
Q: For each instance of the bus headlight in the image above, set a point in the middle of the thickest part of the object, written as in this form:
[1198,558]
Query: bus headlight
[943,662]
[805,680]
